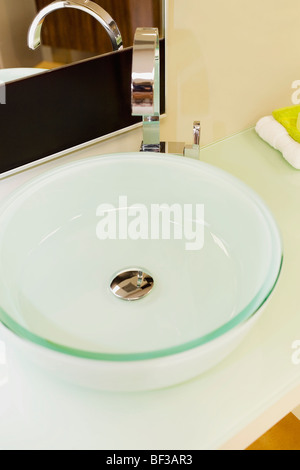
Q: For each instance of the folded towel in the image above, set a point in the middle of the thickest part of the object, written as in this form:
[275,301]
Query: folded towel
[289,117]
[278,137]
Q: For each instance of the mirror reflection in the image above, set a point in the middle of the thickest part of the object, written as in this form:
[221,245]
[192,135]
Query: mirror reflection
[69,35]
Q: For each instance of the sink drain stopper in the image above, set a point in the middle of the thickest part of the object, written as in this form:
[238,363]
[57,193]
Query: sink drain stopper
[132,284]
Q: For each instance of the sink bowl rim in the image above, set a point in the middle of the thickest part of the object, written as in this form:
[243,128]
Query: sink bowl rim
[243,316]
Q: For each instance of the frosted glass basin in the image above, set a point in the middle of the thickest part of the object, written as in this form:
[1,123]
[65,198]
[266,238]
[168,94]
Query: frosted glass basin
[214,254]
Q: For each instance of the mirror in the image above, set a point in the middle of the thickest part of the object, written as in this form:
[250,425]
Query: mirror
[68,35]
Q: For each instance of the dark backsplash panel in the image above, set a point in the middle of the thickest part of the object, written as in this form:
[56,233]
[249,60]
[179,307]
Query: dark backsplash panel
[57,110]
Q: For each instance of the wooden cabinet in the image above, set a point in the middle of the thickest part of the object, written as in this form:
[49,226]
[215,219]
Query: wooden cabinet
[73,29]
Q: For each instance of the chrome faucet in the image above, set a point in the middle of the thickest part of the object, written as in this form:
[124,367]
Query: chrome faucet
[145,96]
[145,85]
[34,34]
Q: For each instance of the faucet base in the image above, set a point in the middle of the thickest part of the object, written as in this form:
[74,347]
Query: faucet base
[157,148]
[175,148]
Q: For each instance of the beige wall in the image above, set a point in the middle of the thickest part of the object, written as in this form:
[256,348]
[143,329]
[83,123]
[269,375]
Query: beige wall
[15,19]
[229,63]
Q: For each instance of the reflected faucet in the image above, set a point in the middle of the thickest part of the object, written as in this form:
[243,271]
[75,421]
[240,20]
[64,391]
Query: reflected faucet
[34,34]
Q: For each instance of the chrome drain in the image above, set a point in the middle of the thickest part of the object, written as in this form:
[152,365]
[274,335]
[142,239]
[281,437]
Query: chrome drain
[132,284]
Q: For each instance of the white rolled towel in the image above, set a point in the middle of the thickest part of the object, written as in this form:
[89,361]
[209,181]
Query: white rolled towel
[278,137]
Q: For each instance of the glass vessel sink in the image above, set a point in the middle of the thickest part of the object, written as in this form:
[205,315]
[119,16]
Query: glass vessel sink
[213,254]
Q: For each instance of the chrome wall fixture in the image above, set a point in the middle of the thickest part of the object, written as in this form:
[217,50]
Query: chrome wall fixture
[34,34]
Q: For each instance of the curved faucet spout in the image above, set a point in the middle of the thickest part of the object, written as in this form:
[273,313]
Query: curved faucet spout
[34,34]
